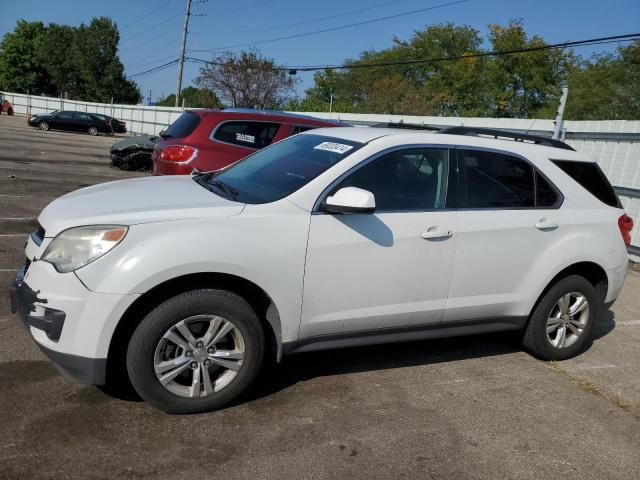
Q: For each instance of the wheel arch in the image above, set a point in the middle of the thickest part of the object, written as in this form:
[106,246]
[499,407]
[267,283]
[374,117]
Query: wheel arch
[257,297]
[591,271]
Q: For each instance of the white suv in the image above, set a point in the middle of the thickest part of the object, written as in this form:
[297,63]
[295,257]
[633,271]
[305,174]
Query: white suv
[330,238]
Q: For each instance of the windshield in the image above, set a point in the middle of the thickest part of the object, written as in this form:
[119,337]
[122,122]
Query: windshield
[279,170]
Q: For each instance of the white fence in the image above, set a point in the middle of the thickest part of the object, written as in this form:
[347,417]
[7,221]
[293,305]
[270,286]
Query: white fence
[615,144]
[140,119]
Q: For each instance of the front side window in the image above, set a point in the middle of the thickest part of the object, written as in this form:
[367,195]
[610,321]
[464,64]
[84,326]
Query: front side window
[279,170]
[246,134]
[495,180]
[405,180]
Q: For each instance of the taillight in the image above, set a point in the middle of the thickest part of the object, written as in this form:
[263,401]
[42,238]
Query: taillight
[178,153]
[625,222]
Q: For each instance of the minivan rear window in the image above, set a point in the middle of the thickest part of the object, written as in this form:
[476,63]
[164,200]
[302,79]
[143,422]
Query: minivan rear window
[183,126]
[592,178]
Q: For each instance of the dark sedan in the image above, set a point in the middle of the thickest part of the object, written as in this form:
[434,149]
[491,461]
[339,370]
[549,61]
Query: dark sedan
[118,125]
[72,121]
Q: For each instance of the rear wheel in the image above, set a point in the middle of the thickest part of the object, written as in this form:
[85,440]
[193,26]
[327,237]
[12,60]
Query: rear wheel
[44,126]
[561,323]
[196,352]
[93,131]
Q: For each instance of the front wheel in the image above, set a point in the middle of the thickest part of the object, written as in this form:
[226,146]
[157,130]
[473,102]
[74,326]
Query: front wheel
[44,126]
[561,323]
[93,131]
[196,352]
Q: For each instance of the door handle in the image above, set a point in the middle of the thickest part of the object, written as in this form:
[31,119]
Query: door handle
[435,232]
[546,224]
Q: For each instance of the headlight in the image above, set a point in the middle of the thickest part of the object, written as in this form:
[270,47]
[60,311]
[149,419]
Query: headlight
[76,247]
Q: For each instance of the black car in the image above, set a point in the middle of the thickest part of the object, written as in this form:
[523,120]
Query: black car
[72,122]
[133,153]
[118,125]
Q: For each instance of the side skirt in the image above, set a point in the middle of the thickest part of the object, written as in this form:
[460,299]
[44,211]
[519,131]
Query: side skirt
[404,334]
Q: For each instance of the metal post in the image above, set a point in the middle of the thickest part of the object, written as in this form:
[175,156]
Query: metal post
[182,49]
[330,104]
[559,121]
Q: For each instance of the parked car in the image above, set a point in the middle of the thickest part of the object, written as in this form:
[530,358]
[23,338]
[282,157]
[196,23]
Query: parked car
[118,126]
[332,238]
[133,153]
[5,105]
[212,139]
[71,122]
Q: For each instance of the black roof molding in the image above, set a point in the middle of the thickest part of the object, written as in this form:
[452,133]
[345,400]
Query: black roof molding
[495,133]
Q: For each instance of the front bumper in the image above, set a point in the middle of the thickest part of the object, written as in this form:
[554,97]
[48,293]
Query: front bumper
[51,322]
[72,325]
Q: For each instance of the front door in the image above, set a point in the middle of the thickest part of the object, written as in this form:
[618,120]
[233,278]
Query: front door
[390,270]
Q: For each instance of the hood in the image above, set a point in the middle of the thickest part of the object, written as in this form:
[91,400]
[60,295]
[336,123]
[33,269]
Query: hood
[143,141]
[140,200]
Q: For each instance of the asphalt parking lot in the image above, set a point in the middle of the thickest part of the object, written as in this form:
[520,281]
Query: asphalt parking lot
[472,408]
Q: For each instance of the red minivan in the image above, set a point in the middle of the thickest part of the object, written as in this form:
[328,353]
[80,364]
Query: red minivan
[212,139]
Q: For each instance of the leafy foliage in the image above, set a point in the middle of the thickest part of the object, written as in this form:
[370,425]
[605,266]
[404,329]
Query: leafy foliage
[247,80]
[193,98]
[79,62]
[523,85]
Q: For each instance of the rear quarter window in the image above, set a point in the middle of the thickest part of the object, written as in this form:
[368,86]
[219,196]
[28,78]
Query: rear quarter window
[245,133]
[592,178]
[183,126]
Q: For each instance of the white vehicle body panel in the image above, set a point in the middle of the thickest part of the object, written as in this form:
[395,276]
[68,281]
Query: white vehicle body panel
[326,274]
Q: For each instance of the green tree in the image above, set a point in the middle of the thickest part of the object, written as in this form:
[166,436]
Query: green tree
[20,67]
[193,98]
[79,62]
[606,87]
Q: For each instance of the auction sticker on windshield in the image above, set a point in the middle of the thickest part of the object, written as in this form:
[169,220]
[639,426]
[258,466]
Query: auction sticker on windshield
[334,147]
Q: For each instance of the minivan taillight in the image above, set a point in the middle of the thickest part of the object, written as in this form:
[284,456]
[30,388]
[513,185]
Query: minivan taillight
[625,222]
[178,153]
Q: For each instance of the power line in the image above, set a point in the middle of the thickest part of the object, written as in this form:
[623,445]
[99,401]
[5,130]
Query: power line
[493,53]
[315,20]
[154,69]
[144,17]
[333,29]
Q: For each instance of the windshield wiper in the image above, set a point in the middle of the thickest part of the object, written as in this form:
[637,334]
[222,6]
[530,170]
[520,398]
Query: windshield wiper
[229,190]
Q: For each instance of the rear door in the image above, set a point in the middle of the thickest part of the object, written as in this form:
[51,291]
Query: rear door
[82,122]
[510,218]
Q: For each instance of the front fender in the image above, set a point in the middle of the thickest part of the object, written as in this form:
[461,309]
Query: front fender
[267,251]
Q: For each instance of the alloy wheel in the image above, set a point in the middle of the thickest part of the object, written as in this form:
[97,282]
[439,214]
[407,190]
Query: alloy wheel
[567,320]
[199,356]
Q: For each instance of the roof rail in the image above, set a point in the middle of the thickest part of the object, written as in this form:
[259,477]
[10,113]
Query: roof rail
[407,126]
[495,133]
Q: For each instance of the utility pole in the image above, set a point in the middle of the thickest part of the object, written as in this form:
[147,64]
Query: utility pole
[559,121]
[184,46]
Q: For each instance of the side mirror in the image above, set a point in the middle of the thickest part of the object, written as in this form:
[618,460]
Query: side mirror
[350,200]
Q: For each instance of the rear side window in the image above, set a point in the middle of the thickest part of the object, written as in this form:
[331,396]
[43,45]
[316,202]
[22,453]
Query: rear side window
[546,196]
[183,126]
[494,180]
[591,177]
[246,134]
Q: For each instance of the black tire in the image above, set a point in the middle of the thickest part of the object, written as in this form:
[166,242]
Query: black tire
[44,126]
[536,339]
[142,346]
[10,111]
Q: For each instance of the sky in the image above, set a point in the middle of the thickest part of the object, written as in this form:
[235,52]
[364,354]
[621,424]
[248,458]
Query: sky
[151,30]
